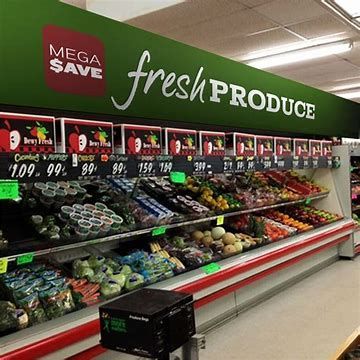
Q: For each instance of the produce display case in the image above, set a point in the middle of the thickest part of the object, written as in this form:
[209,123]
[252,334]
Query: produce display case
[355,194]
[211,234]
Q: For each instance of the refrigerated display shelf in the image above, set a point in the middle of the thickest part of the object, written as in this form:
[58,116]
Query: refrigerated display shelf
[234,273]
[55,249]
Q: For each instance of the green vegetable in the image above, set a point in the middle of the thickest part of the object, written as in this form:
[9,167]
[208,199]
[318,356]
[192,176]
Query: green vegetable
[126,270]
[134,281]
[119,278]
[31,304]
[114,265]
[95,261]
[110,288]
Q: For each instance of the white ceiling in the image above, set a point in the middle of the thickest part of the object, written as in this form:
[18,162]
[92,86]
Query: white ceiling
[234,28]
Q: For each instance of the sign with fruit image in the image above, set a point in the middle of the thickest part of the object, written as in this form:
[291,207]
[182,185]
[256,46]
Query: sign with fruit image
[85,136]
[141,140]
[212,143]
[282,146]
[315,148]
[26,133]
[180,142]
[264,145]
[326,148]
[301,147]
[245,144]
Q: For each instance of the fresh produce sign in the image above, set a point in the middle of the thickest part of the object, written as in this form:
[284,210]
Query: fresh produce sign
[243,144]
[140,140]
[301,147]
[85,136]
[264,145]
[282,146]
[27,133]
[211,143]
[315,148]
[180,141]
[66,50]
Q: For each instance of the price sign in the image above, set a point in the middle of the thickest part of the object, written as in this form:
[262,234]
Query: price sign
[199,166]
[228,165]
[329,163]
[177,177]
[165,167]
[266,163]
[88,169]
[158,231]
[146,166]
[3,265]
[22,170]
[211,268]
[9,189]
[118,169]
[25,259]
[250,164]
[240,165]
[56,169]
[306,163]
[220,220]
[296,162]
[280,163]
[315,162]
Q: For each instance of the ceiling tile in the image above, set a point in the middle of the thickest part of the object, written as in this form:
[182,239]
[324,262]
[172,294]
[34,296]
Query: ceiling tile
[252,3]
[238,46]
[287,12]
[185,14]
[353,56]
[216,30]
[324,25]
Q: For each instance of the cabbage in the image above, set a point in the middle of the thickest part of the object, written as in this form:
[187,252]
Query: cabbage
[110,288]
[95,261]
[126,270]
[97,278]
[119,278]
[114,265]
[84,272]
[134,281]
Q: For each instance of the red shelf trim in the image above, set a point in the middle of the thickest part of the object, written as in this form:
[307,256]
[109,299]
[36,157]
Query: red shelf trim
[88,354]
[82,332]
[211,280]
[54,343]
[223,292]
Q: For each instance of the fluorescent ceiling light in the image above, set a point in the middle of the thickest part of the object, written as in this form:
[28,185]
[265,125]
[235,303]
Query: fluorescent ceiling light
[304,54]
[352,7]
[345,87]
[350,94]
[347,10]
[123,10]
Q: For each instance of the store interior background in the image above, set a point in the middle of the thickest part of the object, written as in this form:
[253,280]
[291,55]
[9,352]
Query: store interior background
[246,29]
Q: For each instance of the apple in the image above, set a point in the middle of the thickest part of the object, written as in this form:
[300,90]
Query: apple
[131,144]
[260,149]
[5,139]
[74,141]
[240,148]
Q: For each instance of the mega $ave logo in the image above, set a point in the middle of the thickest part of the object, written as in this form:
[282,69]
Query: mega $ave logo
[74,62]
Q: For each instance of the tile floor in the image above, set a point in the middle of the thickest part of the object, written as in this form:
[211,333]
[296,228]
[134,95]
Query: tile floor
[307,321]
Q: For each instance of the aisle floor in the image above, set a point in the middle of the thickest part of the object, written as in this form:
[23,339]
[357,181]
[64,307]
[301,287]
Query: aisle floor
[306,321]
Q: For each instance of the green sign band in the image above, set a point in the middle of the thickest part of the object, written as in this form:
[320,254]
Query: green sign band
[77,60]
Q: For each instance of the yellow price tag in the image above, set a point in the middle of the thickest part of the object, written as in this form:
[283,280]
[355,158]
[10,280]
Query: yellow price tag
[3,265]
[220,220]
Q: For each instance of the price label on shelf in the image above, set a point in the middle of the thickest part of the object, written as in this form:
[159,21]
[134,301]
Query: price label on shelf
[25,259]
[158,231]
[295,162]
[308,201]
[306,163]
[240,165]
[228,165]
[165,165]
[199,166]
[250,164]
[220,220]
[145,168]
[280,163]
[177,177]
[329,163]
[266,163]
[9,189]
[211,268]
[3,265]
[315,162]
[23,170]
